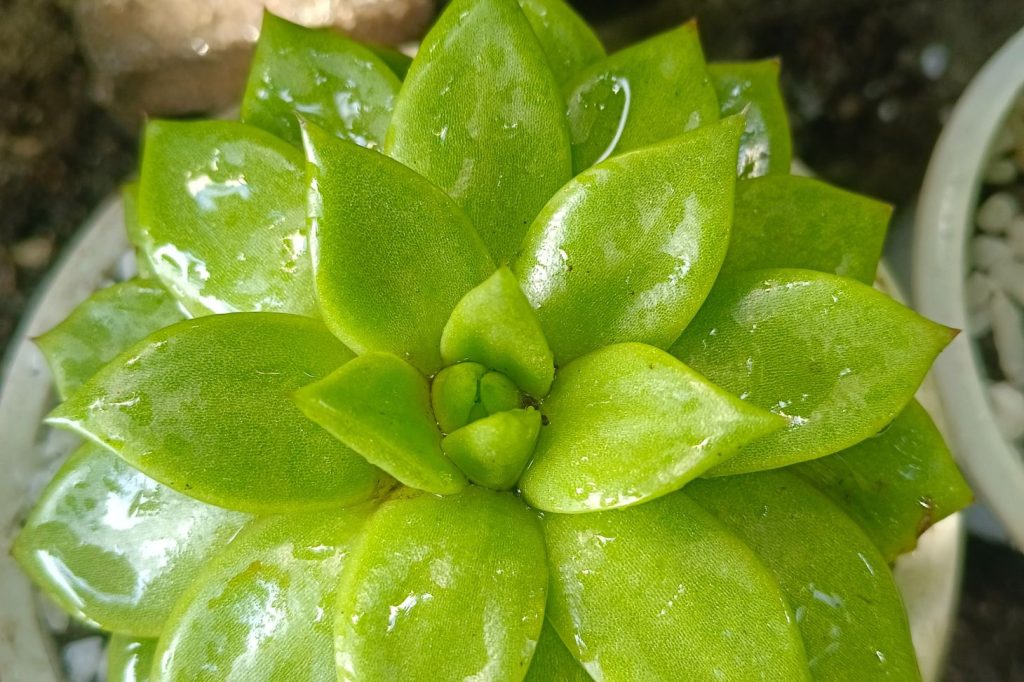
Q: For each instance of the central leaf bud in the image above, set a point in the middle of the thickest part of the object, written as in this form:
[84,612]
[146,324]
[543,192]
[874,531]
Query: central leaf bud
[468,391]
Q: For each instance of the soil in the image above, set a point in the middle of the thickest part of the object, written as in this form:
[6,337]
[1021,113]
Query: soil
[869,81]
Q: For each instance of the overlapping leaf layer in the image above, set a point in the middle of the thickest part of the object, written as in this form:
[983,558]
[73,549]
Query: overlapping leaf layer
[519,361]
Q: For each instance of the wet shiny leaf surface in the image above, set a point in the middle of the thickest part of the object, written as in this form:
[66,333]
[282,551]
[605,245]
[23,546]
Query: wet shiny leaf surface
[785,221]
[114,547]
[896,484]
[629,423]
[392,254]
[567,40]
[205,407]
[628,250]
[450,587]
[379,406]
[752,88]
[646,592]
[837,358]
[129,659]
[847,607]
[494,325]
[322,77]
[651,91]
[222,218]
[480,115]
[107,323]
[263,610]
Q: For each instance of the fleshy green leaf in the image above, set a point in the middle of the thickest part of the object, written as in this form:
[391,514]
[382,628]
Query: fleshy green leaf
[552,662]
[834,356]
[322,76]
[451,586]
[494,325]
[493,451]
[481,116]
[895,484]
[379,406]
[752,88]
[398,62]
[786,221]
[647,592]
[129,659]
[205,407]
[108,322]
[629,423]
[222,218]
[628,250]
[848,609]
[646,93]
[130,205]
[115,548]
[454,394]
[263,610]
[392,254]
[568,42]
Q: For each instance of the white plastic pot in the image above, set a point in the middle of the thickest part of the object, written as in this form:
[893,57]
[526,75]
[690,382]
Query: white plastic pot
[929,578]
[944,225]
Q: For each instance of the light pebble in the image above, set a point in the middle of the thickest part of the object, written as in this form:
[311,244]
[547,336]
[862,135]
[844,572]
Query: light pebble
[979,321]
[84,659]
[1001,172]
[1008,334]
[1015,237]
[1008,276]
[1008,409]
[978,290]
[997,211]
[986,251]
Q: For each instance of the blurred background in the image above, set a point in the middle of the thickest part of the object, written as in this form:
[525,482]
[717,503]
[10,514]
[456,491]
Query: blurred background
[869,84]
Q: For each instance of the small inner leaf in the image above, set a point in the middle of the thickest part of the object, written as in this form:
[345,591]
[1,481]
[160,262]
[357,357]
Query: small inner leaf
[379,406]
[115,548]
[263,609]
[628,250]
[837,358]
[451,587]
[629,423]
[481,116]
[847,606]
[129,659]
[204,406]
[647,592]
[786,221]
[896,484]
[651,91]
[454,394]
[752,88]
[222,218]
[494,325]
[567,40]
[107,323]
[322,76]
[493,451]
[392,254]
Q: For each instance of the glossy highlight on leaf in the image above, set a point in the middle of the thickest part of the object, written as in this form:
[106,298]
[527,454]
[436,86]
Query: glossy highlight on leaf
[129,659]
[114,547]
[752,88]
[567,41]
[786,221]
[646,592]
[452,586]
[628,249]
[629,423]
[494,325]
[895,484]
[837,358]
[321,76]
[392,255]
[205,407]
[651,91]
[379,406]
[104,325]
[492,451]
[263,610]
[222,218]
[481,115]
[847,607]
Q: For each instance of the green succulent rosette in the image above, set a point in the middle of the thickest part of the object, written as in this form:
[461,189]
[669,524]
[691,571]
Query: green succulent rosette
[519,361]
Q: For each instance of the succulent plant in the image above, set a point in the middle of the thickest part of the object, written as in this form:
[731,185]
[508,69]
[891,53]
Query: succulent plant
[519,361]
